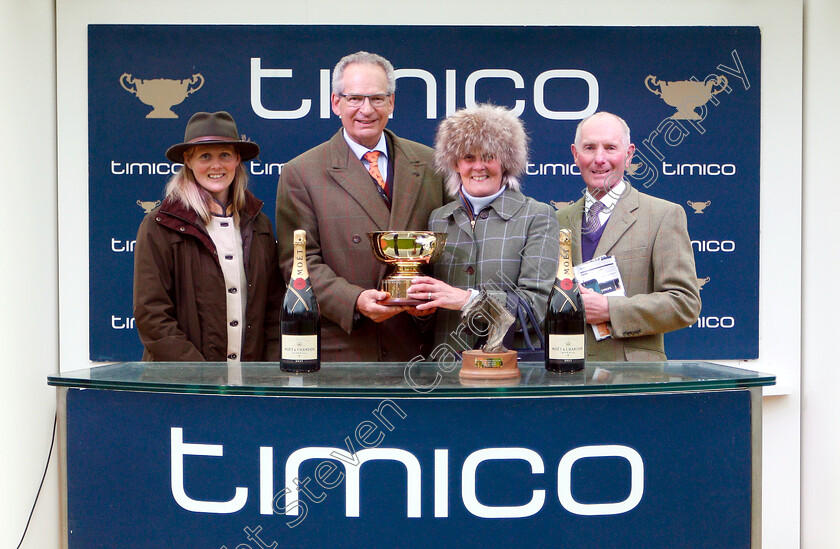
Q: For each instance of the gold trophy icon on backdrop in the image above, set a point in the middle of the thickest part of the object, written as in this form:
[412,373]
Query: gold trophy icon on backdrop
[407,251]
[148,205]
[698,207]
[161,93]
[686,95]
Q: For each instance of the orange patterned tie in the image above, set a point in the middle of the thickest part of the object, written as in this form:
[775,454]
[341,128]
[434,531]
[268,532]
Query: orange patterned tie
[372,157]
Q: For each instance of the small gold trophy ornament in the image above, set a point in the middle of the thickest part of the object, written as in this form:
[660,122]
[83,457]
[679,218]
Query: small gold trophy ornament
[699,206]
[407,250]
[687,95]
[161,93]
[493,360]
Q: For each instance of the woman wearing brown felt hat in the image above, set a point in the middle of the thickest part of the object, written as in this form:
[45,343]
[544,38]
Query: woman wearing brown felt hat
[207,284]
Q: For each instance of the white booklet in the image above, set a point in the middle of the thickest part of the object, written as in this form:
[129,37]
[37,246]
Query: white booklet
[601,275]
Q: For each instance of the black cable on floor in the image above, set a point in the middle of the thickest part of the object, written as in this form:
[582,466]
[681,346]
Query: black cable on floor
[49,455]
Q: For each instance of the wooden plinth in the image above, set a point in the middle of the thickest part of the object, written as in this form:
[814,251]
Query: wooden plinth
[481,365]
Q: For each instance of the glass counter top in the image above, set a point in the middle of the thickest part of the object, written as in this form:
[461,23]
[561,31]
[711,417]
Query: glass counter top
[421,379]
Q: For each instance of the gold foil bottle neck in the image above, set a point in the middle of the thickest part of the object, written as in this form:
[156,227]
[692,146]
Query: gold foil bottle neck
[564,267]
[299,269]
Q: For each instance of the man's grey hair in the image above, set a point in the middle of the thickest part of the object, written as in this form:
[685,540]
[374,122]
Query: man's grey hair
[365,58]
[483,130]
[625,129]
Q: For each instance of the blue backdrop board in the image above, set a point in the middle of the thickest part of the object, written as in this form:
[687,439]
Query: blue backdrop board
[691,96]
[656,470]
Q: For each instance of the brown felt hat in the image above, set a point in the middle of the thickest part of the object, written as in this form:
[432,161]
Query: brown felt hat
[212,128]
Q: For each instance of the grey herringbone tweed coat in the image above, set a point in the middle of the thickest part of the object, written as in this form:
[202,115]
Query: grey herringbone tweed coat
[513,246]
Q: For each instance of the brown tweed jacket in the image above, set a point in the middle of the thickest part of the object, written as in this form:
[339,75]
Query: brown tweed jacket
[328,192]
[649,238]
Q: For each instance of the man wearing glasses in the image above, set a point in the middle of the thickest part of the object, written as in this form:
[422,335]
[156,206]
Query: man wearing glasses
[363,179]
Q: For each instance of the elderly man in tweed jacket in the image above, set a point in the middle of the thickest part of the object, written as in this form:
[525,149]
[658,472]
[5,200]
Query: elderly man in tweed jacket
[498,240]
[647,236]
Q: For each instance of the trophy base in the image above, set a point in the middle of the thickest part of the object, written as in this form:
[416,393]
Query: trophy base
[396,301]
[480,365]
[398,287]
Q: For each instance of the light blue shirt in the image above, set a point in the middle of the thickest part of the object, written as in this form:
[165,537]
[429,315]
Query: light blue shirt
[359,151]
[477,203]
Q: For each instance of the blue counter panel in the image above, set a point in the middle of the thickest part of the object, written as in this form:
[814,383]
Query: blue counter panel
[175,470]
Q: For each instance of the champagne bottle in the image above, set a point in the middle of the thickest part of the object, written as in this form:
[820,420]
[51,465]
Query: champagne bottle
[300,319]
[565,320]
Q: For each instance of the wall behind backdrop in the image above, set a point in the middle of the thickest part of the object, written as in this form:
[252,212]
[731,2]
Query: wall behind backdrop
[691,96]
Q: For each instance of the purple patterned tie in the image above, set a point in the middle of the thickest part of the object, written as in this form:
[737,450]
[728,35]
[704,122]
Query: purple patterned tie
[593,223]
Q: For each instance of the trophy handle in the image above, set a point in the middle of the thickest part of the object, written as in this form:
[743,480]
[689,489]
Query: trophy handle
[195,78]
[652,80]
[129,80]
[719,80]
[708,202]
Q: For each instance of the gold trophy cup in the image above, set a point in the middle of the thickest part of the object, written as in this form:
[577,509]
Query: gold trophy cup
[407,250]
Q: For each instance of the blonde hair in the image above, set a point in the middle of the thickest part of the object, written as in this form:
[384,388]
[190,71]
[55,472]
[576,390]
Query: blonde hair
[183,187]
[483,130]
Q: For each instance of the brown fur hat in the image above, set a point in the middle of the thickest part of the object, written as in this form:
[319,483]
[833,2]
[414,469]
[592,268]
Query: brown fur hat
[483,130]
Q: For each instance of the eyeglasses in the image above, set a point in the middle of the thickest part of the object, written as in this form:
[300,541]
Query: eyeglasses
[376,100]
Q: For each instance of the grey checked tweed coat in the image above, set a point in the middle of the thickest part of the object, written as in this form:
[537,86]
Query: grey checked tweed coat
[514,245]
[649,238]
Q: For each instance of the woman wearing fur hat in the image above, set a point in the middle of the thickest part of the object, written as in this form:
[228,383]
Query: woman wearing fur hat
[206,278]
[498,240]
